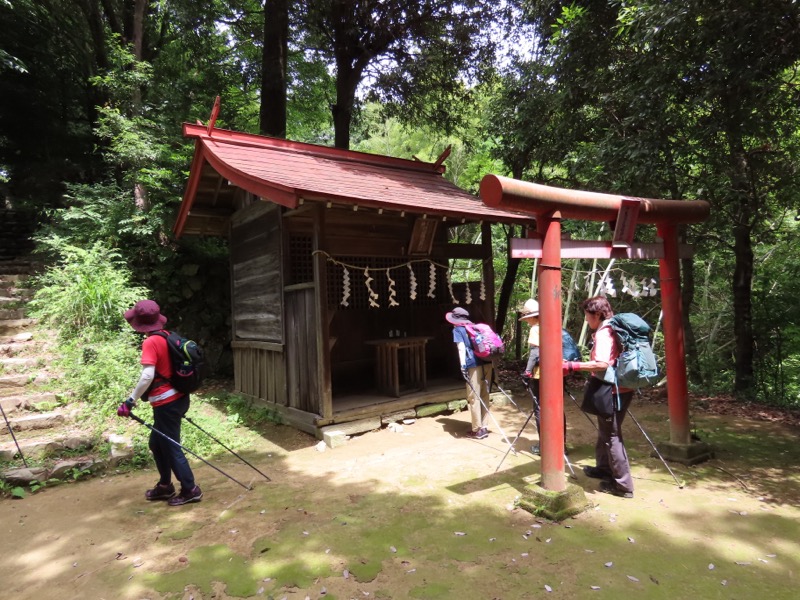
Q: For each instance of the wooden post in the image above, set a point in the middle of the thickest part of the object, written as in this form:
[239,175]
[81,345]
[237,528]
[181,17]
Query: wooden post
[551,385]
[487,267]
[321,315]
[674,350]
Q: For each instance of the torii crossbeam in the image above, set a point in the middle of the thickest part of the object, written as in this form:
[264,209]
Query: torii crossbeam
[549,205]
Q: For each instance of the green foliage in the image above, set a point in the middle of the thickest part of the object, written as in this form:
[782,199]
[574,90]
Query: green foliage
[100,370]
[415,59]
[83,298]
[667,100]
[242,411]
[124,76]
[84,295]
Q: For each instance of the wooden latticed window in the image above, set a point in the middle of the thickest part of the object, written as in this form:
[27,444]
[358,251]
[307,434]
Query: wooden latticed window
[301,263]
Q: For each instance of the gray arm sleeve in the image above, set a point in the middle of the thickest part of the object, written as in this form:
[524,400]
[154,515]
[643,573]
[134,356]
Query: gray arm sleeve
[533,359]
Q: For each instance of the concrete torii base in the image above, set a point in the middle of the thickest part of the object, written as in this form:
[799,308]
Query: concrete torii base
[687,454]
[555,506]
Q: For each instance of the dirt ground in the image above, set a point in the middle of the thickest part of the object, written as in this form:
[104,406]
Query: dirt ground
[426,513]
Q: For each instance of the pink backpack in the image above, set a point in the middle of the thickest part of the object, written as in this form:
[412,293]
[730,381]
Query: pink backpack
[486,344]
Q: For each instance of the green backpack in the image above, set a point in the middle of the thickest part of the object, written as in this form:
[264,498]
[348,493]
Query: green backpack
[637,366]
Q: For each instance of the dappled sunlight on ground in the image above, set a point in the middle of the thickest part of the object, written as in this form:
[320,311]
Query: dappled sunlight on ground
[424,512]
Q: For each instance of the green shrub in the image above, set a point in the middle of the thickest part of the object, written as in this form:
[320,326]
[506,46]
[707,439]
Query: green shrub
[85,294]
[83,298]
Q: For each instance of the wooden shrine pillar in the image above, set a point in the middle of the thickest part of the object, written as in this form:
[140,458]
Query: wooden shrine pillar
[674,347]
[551,382]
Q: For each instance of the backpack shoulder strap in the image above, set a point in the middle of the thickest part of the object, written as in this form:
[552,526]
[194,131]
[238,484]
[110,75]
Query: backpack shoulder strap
[167,335]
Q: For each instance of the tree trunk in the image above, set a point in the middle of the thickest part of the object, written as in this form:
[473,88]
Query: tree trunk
[136,38]
[506,288]
[343,112]
[744,206]
[743,310]
[694,371]
[272,113]
[349,70]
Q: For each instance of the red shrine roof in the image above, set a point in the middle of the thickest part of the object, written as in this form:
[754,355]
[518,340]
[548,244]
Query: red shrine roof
[290,173]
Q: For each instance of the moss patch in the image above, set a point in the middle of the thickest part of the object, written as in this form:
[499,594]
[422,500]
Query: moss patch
[207,565]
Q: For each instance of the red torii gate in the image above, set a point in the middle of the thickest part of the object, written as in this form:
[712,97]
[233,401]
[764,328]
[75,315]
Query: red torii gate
[549,205]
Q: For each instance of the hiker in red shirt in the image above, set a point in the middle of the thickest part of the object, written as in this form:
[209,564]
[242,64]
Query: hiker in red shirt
[169,407]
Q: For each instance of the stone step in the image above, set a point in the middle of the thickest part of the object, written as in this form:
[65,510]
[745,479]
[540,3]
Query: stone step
[14,294]
[11,349]
[18,363]
[12,278]
[13,380]
[35,421]
[25,336]
[62,469]
[15,404]
[20,384]
[8,391]
[15,326]
[43,446]
[12,314]
[20,269]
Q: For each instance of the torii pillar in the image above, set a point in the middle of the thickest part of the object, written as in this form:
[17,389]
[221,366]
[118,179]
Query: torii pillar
[549,205]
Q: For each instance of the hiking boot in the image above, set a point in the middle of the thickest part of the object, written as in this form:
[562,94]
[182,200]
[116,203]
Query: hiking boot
[609,487]
[186,496]
[480,434]
[161,491]
[597,473]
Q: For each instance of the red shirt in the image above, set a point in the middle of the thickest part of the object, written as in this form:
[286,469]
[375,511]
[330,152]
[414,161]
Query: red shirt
[155,352]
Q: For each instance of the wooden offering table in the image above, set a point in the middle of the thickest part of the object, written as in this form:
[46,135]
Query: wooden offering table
[396,354]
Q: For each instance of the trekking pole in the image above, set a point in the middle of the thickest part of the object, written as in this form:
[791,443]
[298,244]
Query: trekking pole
[509,398]
[580,409]
[486,408]
[185,449]
[226,448]
[536,404]
[534,399]
[566,458]
[11,431]
[511,447]
[680,485]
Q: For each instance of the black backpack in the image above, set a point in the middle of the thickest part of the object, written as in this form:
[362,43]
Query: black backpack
[188,362]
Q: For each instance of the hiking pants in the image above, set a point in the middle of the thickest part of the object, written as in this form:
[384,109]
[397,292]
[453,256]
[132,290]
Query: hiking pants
[169,457]
[610,452]
[478,382]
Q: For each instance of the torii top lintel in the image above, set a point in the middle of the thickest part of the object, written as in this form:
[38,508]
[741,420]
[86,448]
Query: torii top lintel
[533,198]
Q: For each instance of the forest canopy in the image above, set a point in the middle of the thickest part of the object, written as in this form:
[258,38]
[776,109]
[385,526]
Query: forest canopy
[676,100]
